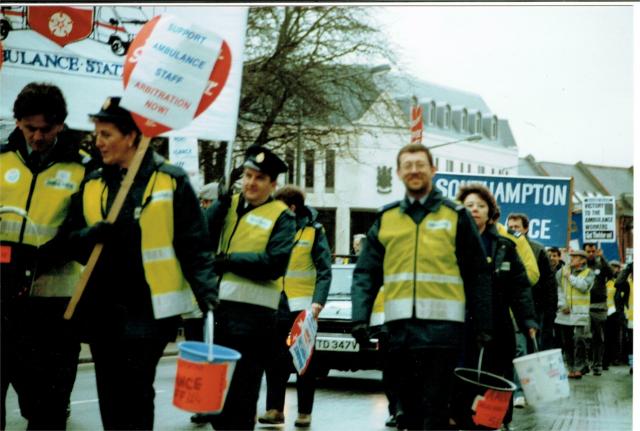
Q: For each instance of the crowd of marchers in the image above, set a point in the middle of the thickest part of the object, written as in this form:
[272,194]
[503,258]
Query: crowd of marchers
[457,285]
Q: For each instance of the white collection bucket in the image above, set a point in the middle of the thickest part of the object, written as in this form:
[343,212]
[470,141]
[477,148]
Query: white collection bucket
[543,376]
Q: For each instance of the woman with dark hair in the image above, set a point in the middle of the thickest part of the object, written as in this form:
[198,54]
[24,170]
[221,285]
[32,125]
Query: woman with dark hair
[155,255]
[511,289]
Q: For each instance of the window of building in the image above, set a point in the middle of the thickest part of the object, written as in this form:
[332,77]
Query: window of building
[309,165]
[461,166]
[469,167]
[330,169]
[449,166]
[447,117]
[327,217]
[290,160]
[478,126]
[465,120]
[493,171]
[494,127]
[432,113]
[480,169]
[436,162]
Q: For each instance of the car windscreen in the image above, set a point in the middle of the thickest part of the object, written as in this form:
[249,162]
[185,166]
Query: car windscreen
[341,280]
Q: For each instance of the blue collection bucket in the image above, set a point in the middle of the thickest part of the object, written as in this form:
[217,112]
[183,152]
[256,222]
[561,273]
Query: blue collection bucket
[203,374]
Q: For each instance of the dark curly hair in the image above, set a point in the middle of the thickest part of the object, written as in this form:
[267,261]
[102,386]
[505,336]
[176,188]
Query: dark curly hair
[41,99]
[485,194]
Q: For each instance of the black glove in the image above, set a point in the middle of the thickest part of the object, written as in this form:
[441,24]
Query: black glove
[209,303]
[100,232]
[361,333]
[482,339]
[221,263]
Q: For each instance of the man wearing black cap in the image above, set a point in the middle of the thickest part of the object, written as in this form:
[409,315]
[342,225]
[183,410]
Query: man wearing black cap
[253,234]
[40,168]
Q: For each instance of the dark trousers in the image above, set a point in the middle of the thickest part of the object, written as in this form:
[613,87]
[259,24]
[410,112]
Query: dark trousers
[12,370]
[280,366]
[574,346]
[422,381]
[48,352]
[193,329]
[598,323]
[250,330]
[125,370]
[613,339]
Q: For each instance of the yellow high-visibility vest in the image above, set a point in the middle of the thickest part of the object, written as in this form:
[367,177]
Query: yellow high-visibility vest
[300,279]
[525,253]
[44,200]
[577,301]
[611,291]
[420,266]
[629,311]
[249,234]
[170,291]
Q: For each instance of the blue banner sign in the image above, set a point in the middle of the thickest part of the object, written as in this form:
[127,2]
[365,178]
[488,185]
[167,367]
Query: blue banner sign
[545,200]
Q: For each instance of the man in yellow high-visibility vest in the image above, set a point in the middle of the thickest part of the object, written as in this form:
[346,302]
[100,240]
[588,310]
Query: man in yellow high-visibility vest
[426,251]
[574,284]
[254,236]
[41,166]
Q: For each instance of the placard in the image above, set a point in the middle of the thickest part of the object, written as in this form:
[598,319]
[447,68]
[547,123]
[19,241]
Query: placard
[599,219]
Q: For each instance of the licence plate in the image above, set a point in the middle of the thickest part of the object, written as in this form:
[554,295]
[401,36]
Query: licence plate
[337,344]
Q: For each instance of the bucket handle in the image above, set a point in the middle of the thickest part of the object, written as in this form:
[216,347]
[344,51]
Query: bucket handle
[535,344]
[480,362]
[208,334]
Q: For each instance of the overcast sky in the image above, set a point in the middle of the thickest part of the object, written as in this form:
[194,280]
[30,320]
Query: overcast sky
[561,75]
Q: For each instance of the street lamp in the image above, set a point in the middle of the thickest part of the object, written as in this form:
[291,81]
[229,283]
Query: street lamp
[372,71]
[472,138]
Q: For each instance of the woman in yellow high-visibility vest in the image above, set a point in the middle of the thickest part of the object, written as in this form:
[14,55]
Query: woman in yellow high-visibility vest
[154,256]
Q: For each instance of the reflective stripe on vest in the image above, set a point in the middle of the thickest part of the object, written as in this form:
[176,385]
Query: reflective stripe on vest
[300,279]
[377,314]
[249,234]
[420,263]
[48,207]
[170,291]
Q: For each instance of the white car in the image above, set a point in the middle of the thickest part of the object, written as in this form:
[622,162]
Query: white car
[335,347]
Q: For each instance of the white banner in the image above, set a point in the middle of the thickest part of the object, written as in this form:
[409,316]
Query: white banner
[183,152]
[82,49]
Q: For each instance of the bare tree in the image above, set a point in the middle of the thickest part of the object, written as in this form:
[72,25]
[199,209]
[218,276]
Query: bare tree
[306,73]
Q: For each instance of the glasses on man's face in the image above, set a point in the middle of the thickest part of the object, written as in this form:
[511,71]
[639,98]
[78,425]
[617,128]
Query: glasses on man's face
[418,166]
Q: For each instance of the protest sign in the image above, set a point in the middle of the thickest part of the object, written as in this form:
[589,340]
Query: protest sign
[183,152]
[545,200]
[169,73]
[599,219]
[303,339]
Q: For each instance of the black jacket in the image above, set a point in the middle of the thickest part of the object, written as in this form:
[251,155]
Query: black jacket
[511,287]
[604,273]
[117,300]
[545,291]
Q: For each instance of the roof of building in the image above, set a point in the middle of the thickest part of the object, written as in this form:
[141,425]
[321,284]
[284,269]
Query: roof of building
[588,180]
